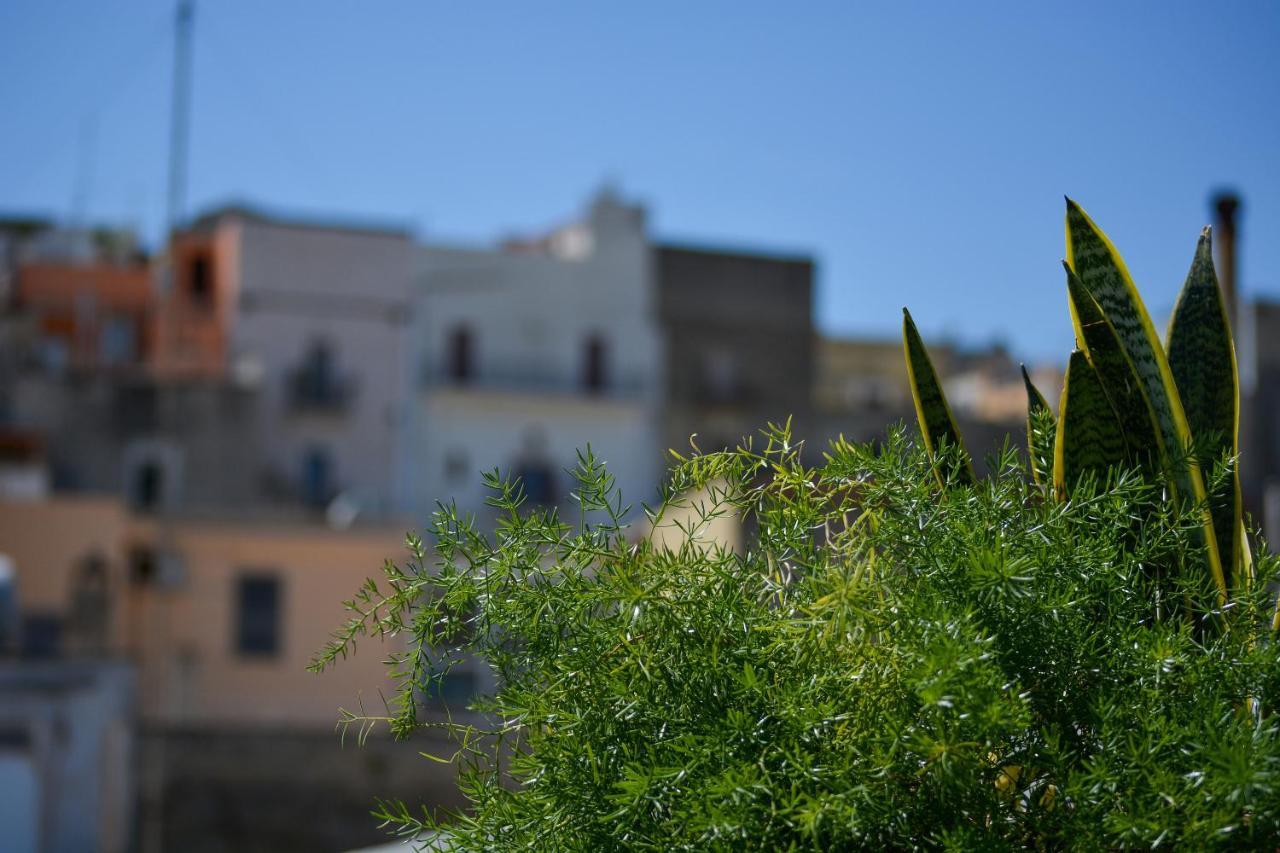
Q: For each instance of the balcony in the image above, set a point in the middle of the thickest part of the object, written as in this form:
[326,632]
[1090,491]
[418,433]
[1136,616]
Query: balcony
[319,392]
[535,382]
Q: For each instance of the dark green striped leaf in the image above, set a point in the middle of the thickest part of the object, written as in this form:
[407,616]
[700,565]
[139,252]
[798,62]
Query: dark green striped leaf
[1203,362]
[1096,336]
[937,426]
[1103,273]
[1041,430]
[1089,437]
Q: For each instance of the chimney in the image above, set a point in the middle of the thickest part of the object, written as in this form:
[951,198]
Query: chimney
[1227,205]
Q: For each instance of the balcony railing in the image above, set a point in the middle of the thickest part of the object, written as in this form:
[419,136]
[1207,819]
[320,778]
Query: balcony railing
[311,391]
[514,380]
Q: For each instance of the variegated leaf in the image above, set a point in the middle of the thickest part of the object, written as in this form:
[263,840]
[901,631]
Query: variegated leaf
[1102,271]
[1096,336]
[1041,429]
[1089,437]
[937,425]
[1203,361]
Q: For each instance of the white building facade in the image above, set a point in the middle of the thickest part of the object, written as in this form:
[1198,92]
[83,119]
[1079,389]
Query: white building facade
[527,354]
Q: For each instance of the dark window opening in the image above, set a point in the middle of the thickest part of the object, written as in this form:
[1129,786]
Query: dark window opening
[144,566]
[316,477]
[595,365]
[200,284]
[258,615]
[318,385]
[454,689]
[461,355]
[148,486]
[539,483]
[456,466]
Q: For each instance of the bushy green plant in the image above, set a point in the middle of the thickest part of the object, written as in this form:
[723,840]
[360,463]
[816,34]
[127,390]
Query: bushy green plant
[1075,652]
[891,664]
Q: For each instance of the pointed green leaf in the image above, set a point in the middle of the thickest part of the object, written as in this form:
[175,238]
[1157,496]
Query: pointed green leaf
[1041,429]
[1101,270]
[1097,337]
[1203,361]
[1089,437]
[937,425]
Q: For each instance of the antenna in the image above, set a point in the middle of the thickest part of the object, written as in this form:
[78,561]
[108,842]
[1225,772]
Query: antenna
[180,116]
[84,173]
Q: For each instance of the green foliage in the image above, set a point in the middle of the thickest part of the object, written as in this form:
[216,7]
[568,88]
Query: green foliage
[1203,362]
[937,424]
[1099,267]
[1089,437]
[1041,432]
[1096,337]
[1130,394]
[890,664]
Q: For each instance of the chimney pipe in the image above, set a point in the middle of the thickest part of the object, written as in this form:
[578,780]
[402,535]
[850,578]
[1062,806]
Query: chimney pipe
[1227,205]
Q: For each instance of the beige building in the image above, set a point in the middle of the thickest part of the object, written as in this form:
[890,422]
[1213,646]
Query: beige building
[220,618]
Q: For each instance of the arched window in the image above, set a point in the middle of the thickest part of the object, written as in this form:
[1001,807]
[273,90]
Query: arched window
[595,364]
[461,354]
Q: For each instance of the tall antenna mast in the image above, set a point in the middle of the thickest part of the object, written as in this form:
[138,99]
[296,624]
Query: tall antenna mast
[180,116]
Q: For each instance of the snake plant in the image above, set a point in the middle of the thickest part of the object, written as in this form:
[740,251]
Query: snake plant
[1129,400]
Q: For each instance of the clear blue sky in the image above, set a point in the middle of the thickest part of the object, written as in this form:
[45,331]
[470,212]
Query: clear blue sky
[919,151]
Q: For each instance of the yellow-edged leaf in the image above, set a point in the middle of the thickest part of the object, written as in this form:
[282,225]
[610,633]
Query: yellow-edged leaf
[1041,430]
[1089,439]
[1203,362]
[937,425]
[1102,271]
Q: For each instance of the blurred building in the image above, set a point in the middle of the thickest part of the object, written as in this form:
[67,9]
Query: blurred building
[862,389]
[313,317]
[202,454]
[739,338]
[67,768]
[234,738]
[531,351]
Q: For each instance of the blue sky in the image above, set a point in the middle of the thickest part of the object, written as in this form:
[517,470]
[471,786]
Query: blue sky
[919,151]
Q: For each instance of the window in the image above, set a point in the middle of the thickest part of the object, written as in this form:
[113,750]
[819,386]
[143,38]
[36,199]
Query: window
[317,373]
[258,615]
[117,341]
[720,375]
[317,486]
[539,483]
[460,355]
[148,486]
[144,565]
[456,466]
[454,690]
[200,284]
[595,364]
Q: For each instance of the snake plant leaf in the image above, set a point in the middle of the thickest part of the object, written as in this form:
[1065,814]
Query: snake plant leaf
[1089,437]
[1041,430]
[1093,258]
[1097,337]
[1203,361]
[937,425]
